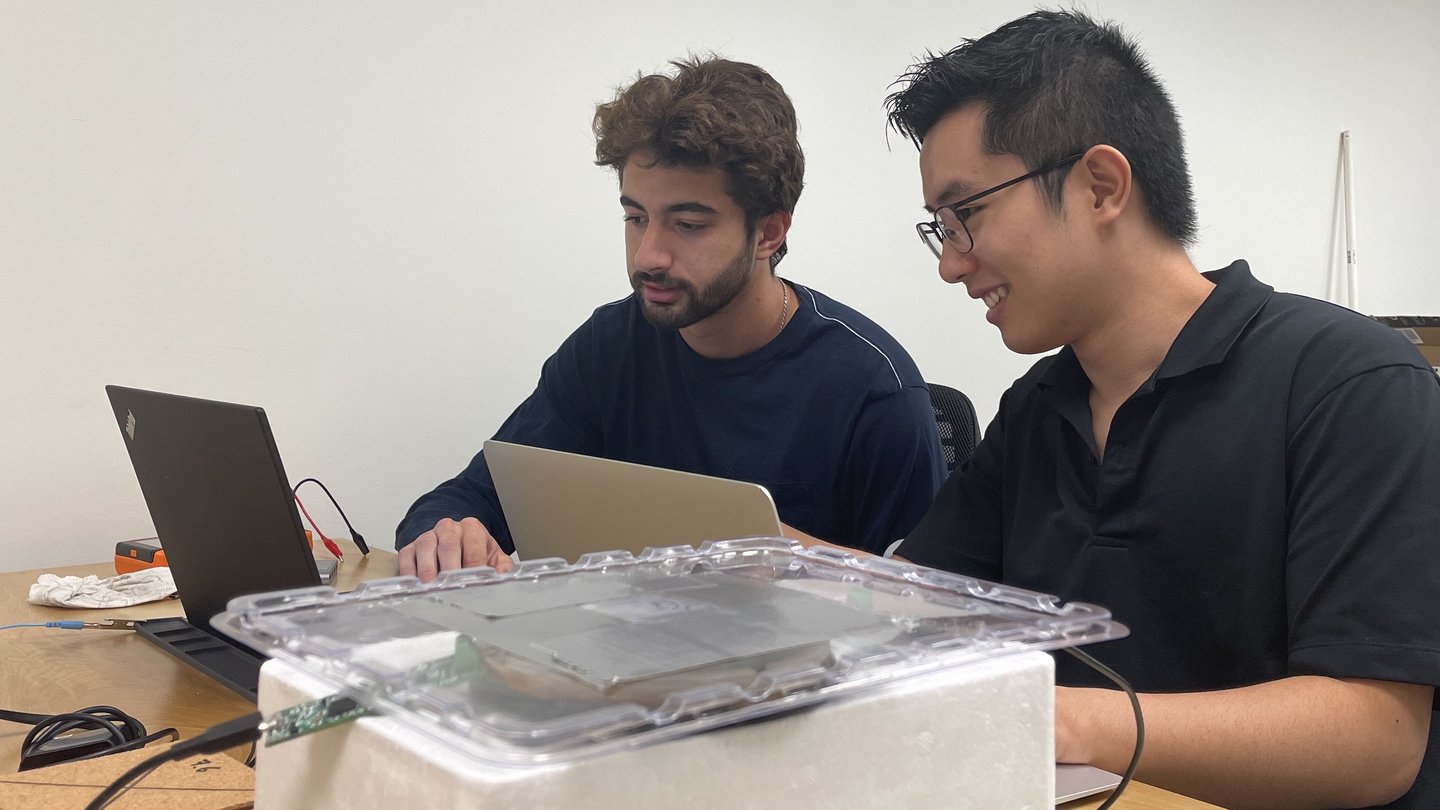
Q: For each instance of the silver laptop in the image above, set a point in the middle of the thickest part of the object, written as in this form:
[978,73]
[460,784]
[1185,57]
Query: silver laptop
[1078,781]
[565,504]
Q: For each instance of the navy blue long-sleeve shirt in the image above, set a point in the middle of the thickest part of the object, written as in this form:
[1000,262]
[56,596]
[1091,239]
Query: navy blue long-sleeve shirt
[831,416]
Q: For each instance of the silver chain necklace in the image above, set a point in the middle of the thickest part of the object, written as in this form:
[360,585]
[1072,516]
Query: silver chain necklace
[784,307]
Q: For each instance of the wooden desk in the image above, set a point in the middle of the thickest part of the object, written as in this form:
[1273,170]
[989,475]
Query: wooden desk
[45,670]
[1140,796]
[49,671]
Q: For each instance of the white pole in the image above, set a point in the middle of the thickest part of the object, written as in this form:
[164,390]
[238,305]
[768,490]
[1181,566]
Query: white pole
[1351,266]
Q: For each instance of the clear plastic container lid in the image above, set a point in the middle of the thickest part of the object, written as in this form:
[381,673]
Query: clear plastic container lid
[551,662]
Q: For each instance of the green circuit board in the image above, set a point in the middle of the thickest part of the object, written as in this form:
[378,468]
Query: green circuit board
[308,718]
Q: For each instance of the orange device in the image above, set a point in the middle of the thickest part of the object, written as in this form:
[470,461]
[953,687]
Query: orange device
[137,555]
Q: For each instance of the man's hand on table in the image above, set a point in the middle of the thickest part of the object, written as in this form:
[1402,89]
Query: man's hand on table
[452,544]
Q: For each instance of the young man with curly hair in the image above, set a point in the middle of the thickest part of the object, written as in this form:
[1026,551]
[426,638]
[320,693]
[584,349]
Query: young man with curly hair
[714,364]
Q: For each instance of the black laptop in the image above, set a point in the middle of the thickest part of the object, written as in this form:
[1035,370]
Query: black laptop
[224,513]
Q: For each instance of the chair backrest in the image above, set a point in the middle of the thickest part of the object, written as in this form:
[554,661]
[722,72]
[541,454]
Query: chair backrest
[955,417]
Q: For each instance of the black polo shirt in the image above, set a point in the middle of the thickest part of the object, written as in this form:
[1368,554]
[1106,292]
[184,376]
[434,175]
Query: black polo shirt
[1268,503]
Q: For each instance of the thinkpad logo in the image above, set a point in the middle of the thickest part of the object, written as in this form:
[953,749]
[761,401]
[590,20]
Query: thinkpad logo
[130,425]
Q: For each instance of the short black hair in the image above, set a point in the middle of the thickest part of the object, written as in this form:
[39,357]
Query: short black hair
[1054,83]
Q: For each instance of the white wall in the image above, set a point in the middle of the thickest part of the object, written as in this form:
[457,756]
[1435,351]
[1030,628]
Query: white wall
[375,219]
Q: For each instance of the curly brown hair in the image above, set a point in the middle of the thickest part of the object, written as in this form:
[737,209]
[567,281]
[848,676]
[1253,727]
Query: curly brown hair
[712,113]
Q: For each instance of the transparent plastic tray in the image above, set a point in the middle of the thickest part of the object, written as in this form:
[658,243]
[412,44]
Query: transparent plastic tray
[551,662]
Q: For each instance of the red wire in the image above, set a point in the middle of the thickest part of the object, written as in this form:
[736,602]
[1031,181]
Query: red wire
[330,544]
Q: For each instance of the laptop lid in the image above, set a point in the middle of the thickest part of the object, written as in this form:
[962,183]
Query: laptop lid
[1078,781]
[222,506]
[565,505]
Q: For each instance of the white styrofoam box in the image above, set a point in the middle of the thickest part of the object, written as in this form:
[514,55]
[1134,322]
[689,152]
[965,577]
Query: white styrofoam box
[976,736]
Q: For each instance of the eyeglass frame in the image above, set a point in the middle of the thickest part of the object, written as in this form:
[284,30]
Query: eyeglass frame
[934,226]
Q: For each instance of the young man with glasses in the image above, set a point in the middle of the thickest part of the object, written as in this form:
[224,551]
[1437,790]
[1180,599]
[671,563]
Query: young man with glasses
[1249,479]
[715,364]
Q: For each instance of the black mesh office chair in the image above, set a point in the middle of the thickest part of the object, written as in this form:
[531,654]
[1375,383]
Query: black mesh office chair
[955,417]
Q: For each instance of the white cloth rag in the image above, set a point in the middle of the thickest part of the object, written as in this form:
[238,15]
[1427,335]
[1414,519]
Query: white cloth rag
[137,587]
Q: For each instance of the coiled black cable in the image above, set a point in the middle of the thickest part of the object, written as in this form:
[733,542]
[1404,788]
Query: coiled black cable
[124,731]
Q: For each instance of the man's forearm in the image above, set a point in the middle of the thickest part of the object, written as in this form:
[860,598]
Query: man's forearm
[1306,741]
[810,541]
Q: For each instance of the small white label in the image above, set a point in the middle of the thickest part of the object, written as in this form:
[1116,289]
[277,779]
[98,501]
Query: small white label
[1411,334]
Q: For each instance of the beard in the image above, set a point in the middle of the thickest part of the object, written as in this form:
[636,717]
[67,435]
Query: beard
[695,304]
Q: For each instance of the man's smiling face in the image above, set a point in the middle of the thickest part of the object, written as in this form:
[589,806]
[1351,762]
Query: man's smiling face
[1019,264]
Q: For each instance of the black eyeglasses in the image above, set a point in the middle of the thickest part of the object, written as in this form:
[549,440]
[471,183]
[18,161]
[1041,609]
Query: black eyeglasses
[949,223]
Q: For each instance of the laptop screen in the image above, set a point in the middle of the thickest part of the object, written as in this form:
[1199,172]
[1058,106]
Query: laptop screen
[218,495]
[565,505]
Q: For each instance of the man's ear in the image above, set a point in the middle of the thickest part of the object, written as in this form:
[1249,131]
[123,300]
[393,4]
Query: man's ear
[1106,182]
[770,231]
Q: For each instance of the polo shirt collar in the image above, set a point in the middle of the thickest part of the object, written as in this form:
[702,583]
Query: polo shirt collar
[1217,325]
[1204,341]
